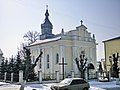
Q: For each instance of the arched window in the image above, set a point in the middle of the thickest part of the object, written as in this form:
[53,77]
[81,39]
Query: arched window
[57,58]
[40,63]
[48,61]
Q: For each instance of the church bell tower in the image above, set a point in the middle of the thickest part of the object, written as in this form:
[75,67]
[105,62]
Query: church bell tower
[46,27]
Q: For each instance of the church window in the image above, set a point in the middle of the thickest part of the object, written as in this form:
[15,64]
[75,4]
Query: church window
[48,61]
[40,64]
[57,58]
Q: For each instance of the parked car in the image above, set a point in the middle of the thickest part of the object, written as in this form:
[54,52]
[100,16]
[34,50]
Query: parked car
[72,84]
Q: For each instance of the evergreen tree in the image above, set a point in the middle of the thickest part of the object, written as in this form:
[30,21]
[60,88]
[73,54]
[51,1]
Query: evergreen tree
[18,64]
[2,69]
[11,65]
[29,70]
[6,68]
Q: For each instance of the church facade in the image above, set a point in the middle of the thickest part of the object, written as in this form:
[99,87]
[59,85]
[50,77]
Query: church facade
[66,45]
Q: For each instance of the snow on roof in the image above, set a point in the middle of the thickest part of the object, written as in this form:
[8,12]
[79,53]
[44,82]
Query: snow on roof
[116,38]
[45,41]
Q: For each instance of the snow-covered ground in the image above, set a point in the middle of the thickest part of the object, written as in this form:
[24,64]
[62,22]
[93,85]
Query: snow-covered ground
[8,86]
[94,85]
[104,85]
[37,87]
[47,87]
[3,83]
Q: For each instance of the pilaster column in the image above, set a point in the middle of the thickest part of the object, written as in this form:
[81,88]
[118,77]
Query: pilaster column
[75,55]
[51,62]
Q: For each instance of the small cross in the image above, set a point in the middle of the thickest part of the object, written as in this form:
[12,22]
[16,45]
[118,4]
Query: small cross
[81,22]
[47,7]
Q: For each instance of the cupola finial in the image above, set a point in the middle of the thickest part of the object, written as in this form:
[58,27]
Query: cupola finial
[46,7]
[81,22]
[46,14]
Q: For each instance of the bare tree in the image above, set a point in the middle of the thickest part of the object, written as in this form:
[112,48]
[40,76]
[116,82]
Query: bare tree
[31,36]
[81,64]
[100,69]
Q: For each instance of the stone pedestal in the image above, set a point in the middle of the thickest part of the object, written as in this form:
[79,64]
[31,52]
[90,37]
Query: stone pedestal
[11,77]
[20,76]
[40,76]
[57,76]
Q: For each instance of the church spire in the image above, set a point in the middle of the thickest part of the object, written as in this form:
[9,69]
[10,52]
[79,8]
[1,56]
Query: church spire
[46,27]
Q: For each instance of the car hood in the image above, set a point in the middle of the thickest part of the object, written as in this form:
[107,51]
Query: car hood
[60,85]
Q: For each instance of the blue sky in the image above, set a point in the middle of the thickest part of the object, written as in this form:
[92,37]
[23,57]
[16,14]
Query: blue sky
[101,17]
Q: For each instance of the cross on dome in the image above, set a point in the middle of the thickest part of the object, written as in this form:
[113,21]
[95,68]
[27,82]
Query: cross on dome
[81,22]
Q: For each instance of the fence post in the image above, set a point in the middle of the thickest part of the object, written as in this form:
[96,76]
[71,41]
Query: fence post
[58,77]
[5,74]
[12,77]
[86,75]
[40,76]
[72,74]
[20,76]
[97,75]
[109,76]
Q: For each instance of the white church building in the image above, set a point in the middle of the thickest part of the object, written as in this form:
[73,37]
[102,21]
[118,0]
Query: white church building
[66,45]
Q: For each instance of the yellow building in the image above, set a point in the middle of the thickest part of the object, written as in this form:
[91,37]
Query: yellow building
[111,46]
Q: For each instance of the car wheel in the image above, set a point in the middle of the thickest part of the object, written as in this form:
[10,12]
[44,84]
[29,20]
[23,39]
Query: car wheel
[66,89]
[85,89]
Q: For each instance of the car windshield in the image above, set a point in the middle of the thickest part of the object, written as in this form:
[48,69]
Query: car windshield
[66,81]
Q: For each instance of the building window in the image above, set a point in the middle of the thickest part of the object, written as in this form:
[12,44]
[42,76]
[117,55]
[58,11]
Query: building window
[57,58]
[48,61]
